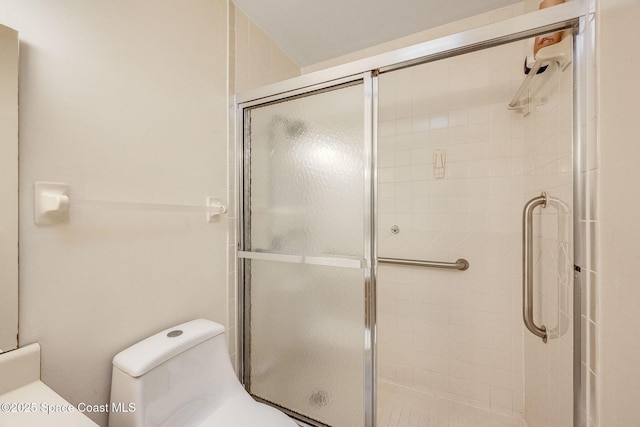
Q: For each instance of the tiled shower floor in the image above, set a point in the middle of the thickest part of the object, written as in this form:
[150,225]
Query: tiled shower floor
[400,407]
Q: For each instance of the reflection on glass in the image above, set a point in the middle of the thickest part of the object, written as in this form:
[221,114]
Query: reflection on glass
[307,175]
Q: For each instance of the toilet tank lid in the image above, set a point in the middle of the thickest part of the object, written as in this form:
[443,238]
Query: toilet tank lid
[142,357]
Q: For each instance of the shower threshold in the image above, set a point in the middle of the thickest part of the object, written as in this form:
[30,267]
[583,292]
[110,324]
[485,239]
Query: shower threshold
[403,407]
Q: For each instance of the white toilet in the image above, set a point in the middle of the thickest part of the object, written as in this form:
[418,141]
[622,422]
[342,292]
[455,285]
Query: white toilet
[183,377]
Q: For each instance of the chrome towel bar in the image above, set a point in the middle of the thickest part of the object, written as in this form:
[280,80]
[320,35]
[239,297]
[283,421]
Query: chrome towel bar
[461,264]
[527,265]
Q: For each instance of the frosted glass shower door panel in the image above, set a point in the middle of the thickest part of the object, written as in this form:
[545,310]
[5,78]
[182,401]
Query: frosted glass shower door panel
[307,340]
[304,219]
[307,174]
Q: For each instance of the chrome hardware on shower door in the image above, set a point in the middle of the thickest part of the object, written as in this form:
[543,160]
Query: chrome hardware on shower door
[527,261]
[460,264]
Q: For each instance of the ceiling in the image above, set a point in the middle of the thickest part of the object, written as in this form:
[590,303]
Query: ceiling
[314,31]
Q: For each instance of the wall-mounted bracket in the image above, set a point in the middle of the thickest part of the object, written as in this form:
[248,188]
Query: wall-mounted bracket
[215,209]
[51,203]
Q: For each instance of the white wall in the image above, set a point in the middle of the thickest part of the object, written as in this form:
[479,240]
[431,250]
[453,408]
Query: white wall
[124,101]
[620,210]
[430,34]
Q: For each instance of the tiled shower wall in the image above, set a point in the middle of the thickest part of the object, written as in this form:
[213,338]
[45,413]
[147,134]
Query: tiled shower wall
[460,334]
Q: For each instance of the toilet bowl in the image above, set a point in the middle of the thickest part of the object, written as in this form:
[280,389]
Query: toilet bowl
[182,377]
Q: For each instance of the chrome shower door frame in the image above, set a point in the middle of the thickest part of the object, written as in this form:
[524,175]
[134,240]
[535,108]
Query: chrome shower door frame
[369,82]
[570,15]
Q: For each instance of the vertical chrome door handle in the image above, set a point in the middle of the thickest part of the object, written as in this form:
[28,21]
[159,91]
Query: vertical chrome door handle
[527,264]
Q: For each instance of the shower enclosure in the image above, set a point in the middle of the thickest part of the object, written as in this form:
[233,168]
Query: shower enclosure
[387,251]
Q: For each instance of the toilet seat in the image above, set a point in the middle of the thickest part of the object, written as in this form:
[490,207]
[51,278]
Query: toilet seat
[243,411]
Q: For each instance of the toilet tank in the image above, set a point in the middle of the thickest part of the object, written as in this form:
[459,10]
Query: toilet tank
[176,377]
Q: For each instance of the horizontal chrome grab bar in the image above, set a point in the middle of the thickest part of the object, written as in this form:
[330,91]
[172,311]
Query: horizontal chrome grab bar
[461,264]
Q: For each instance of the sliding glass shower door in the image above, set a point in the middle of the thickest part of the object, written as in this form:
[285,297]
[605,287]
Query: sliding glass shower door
[456,167]
[420,161]
[304,254]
